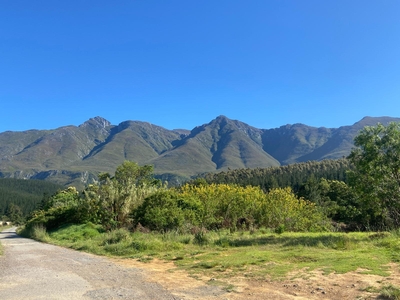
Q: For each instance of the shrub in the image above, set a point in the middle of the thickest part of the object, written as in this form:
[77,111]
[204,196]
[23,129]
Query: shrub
[166,210]
[53,217]
[36,232]
[201,238]
[283,211]
[116,236]
[224,205]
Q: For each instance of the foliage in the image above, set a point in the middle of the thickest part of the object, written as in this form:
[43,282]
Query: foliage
[294,175]
[336,199]
[60,209]
[283,211]
[110,202]
[72,232]
[64,198]
[376,176]
[14,214]
[167,210]
[132,197]
[113,199]
[232,206]
[222,205]
[26,194]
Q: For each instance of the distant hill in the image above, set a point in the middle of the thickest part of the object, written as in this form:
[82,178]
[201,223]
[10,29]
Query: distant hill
[74,155]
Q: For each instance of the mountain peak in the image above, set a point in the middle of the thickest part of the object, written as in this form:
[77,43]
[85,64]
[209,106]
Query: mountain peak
[222,117]
[97,122]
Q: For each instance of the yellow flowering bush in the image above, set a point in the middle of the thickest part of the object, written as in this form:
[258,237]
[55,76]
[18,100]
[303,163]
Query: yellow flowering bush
[283,211]
[232,206]
[224,205]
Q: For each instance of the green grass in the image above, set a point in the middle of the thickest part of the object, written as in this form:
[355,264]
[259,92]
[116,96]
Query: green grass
[390,292]
[38,233]
[223,254]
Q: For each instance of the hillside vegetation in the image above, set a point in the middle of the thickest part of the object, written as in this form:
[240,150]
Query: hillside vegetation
[75,155]
[18,198]
[294,175]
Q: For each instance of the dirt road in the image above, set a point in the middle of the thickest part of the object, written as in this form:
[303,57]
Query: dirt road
[33,270]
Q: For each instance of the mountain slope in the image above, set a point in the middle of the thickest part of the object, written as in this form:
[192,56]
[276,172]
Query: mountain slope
[220,144]
[52,149]
[290,142]
[130,140]
[76,154]
[341,141]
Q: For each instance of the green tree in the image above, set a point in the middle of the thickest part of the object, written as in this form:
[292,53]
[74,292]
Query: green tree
[59,209]
[315,190]
[14,214]
[376,176]
[335,199]
[113,200]
[131,173]
[348,208]
[65,198]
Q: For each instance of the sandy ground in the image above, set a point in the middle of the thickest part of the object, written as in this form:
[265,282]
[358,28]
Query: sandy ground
[313,285]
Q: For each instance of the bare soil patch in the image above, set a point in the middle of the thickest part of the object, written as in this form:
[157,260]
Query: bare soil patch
[299,285]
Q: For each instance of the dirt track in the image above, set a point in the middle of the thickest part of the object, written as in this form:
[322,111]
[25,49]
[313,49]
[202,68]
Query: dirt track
[33,270]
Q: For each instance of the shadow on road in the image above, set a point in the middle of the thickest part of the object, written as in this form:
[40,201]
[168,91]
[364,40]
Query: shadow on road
[9,234]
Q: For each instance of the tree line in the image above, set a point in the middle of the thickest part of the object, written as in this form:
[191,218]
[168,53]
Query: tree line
[294,175]
[18,197]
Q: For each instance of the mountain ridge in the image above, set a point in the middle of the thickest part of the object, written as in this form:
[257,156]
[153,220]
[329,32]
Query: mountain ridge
[76,154]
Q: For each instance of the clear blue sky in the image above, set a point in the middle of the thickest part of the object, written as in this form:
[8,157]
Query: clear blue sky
[179,64]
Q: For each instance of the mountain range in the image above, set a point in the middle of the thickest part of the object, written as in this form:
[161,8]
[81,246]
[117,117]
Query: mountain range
[75,155]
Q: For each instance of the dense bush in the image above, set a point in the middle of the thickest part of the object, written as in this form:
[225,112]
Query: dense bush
[112,200]
[167,210]
[132,200]
[219,206]
[281,210]
[224,205]
[336,199]
[60,209]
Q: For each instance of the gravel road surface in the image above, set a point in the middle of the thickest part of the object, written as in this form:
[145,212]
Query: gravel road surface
[33,270]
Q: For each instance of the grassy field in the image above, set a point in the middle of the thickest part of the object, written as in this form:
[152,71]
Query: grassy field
[262,254]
